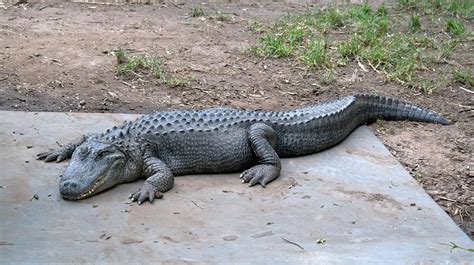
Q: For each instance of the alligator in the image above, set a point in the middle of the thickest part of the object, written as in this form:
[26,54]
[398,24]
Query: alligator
[165,144]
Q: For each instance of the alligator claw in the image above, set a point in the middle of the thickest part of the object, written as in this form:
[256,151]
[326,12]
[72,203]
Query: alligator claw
[50,156]
[147,191]
[260,174]
[44,155]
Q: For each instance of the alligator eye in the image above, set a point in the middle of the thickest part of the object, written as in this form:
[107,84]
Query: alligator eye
[101,153]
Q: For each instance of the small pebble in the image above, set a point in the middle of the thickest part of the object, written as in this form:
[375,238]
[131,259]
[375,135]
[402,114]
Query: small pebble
[230,238]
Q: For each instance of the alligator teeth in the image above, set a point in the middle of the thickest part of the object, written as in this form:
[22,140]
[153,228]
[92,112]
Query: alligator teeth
[89,192]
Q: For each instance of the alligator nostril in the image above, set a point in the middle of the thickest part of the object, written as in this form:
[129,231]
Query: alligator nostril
[68,188]
[69,184]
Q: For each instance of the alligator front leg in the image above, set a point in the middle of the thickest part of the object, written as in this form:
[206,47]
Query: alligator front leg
[62,153]
[160,179]
[263,141]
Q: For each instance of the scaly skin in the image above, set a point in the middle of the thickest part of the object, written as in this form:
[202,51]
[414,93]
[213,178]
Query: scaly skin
[162,145]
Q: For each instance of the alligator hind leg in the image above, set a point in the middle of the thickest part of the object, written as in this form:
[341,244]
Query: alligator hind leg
[263,140]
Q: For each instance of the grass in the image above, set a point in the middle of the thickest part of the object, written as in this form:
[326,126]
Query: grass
[458,8]
[446,49]
[315,54]
[256,27]
[197,11]
[334,18]
[272,46]
[414,23]
[142,66]
[223,17]
[417,175]
[132,65]
[121,56]
[177,82]
[463,76]
[455,26]
[323,39]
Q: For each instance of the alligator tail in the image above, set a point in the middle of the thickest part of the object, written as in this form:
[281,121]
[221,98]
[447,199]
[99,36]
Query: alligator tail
[380,107]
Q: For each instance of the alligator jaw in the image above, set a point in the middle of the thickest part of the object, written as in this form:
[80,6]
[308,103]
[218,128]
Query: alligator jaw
[97,183]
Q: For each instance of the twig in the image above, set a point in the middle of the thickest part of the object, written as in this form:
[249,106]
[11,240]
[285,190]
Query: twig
[447,199]
[130,85]
[36,197]
[453,245]
[139,75]
[196,204]
[467,90]
[374,68]
[362,66]
[293,243]
[46,6]
[466,110]
[401,81]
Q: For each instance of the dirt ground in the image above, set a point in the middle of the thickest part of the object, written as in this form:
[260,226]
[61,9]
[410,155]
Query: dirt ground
[57,56]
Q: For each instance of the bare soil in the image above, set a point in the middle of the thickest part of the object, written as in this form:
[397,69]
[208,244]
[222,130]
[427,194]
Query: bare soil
[56,56]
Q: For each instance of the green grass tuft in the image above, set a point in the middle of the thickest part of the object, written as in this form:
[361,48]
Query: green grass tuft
[197,11]
[315,54]
[271,46]
[463,76]
[142,66]
[414,24]
[382,10]
[223,17]
[409,4]
[130,65]
[455,26]
[446,49]
[121,56]
[462,8]
[458,8]
[177,82]
[334,18]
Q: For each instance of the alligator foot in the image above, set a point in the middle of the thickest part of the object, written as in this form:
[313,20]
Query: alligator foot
[261,174]
[55,155]
[62,153]
[147,191]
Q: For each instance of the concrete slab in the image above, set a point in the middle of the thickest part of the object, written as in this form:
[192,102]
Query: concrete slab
[356,197]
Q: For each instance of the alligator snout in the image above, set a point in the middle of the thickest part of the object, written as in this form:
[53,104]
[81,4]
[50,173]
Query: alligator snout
[68,188]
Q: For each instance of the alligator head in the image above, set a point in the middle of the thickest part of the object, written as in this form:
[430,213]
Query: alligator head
[94,167]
